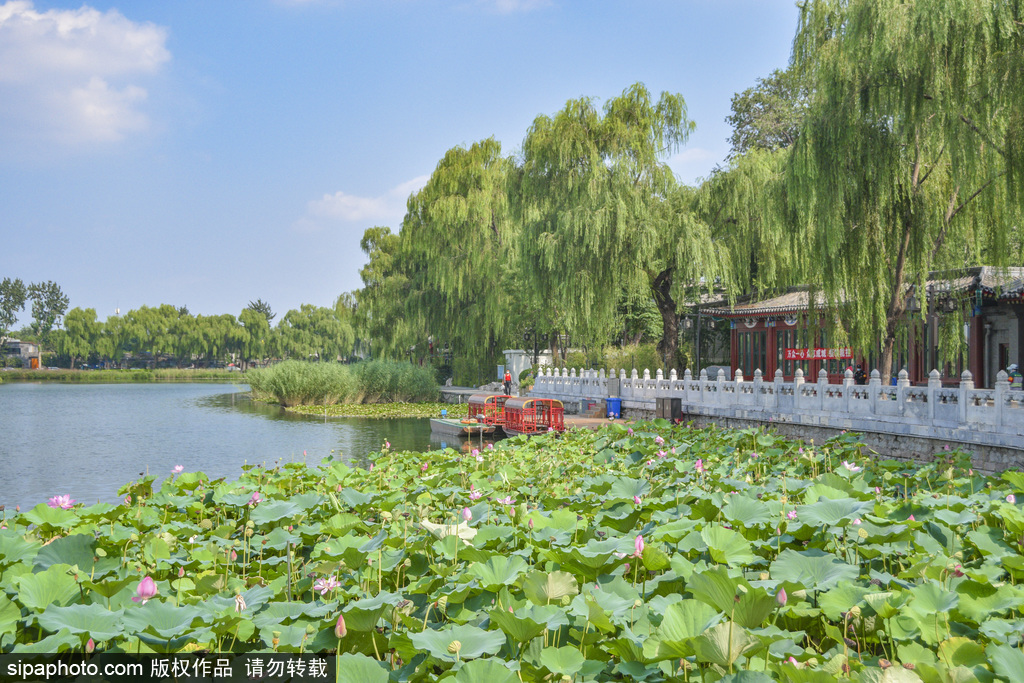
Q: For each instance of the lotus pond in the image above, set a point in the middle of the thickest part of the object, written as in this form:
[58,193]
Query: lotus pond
[656,553]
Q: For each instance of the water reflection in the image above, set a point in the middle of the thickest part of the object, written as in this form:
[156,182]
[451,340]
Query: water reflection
[89,440]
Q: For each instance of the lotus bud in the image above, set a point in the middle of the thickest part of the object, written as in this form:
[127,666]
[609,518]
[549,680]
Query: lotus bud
[638,602]
[530,524]
[339,628]
[638,546]
[181,572]
[467,514]
[90,646]
[781,596]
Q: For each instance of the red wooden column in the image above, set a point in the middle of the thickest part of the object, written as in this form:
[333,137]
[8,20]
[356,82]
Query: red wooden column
[976,351]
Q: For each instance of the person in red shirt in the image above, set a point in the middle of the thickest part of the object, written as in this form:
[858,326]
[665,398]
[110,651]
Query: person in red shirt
[508,382]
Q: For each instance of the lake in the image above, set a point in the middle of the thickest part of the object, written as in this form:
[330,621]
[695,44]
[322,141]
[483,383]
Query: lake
[89,440]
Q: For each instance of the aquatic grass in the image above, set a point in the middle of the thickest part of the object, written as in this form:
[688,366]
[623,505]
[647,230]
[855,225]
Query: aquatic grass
[538,562]
[298,383]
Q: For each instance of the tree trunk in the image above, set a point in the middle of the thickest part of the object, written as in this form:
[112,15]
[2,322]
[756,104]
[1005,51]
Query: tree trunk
[897,305]
[662,290]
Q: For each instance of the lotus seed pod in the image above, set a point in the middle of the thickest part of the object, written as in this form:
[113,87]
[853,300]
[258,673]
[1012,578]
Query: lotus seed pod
[248,533]
[855,611]
[454,647]
[638,602]
[863,533]
[566,600]
[206,524]
[249,524]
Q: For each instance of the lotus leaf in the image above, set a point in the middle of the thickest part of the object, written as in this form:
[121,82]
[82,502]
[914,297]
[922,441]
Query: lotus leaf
[830,512]
[94,620]
[562,660]
[62,641]
[485,671]
[160,618]
[53,586]
[1007,662]
[726,545]
[723,644]
[543,588]
[895,674]
[357,668]
[814,569]
[472,642]
[499,571]
[746,511]
[682,622]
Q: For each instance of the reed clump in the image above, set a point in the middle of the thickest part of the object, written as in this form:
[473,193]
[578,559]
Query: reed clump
[295,383]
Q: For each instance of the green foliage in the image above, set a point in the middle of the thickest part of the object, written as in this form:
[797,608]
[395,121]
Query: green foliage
[548,577]
[768,116]
[12,300]
[293,383]
[909,160]
[639,356]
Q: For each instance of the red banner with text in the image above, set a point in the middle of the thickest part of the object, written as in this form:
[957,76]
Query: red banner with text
[818,354]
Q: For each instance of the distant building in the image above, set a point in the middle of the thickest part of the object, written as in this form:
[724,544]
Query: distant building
[26,351]
[775,333]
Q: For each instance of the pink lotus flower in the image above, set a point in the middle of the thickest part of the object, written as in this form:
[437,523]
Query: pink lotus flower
[476,453]
[326,585]
[467,514]
[791,514]
[256,499]
[781,596]
[1011,499]
[387,444]
[851,467]
[177,469]
[856,521]
[699,466]
[145,590]
[662,454]
[475,495]
[636,499]
[507,500]
[489,446]
[64,502]
[638,546]
[424,467]
[658,440]
[911,518]
[629,431]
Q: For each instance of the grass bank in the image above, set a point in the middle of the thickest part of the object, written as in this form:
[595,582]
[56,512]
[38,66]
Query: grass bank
[297,383]
[385,410]
[121,376]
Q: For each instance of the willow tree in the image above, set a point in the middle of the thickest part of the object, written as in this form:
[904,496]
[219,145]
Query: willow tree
[380,317]
[909,160]
[600,213]
[458,249]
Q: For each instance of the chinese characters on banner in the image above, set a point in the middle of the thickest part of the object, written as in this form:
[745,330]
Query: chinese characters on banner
[818,354]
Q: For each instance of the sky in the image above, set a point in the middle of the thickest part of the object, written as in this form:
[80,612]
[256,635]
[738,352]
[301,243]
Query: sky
[208,154]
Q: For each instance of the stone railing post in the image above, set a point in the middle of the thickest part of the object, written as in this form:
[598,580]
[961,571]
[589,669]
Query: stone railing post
[876,388]
[777,381]
[902,384]
[966,387]
[847,389]
[687,379]
[822,388]
[738,377]
[798,384]
[635,375]
[999,395]
[647,374]
[720,394]
[759,399]
[934,385]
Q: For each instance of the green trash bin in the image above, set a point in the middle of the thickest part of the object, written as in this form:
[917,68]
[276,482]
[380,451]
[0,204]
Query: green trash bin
[614,406]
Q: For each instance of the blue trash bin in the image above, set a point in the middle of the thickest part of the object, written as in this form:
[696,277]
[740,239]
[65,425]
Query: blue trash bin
[614,406]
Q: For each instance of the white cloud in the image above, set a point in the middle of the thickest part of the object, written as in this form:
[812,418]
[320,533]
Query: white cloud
[510,6]
[74,75]
[388,208]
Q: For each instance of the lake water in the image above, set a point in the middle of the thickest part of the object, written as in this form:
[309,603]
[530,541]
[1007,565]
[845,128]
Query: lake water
[89,440]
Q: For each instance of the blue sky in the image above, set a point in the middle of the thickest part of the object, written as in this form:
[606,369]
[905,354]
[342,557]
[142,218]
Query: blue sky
[211,153]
